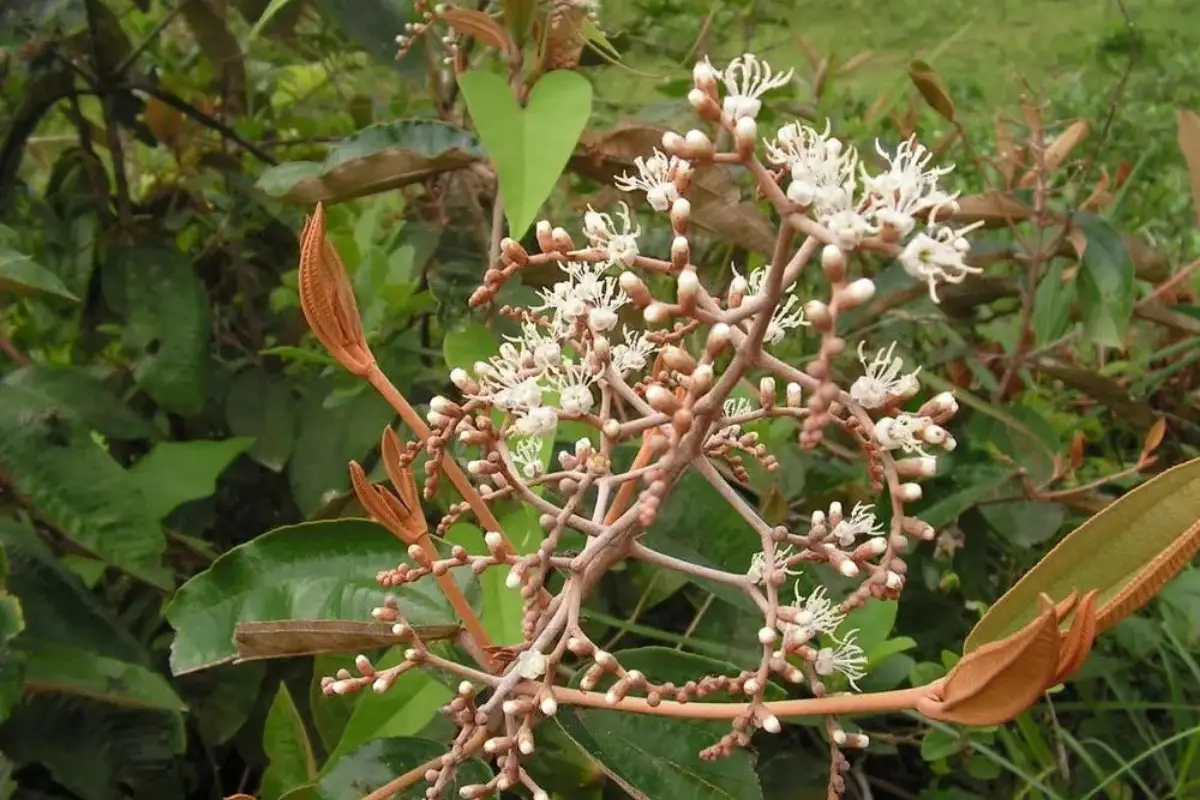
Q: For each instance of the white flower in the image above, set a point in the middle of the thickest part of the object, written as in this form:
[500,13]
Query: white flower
[815,614]
[788,314]
[528,456]
[631,355]
[847,658]
[823,170]
[523,394]
[731,408]
[537,422]
[882,382]
[907,187]
[747,79]
[620,247]
[758,564]
[656,177]
[586,291]
[939,257]
[531,665]
[575,397]
[861,522]
[849,228]
[901,432]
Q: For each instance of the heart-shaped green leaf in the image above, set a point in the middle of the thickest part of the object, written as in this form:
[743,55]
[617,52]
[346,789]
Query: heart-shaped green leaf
[528,146]
[1108,553]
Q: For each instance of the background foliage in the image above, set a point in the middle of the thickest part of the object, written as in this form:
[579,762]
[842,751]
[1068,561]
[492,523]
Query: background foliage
[162,405]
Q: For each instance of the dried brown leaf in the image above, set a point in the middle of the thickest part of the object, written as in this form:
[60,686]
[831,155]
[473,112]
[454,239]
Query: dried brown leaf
[256,641]
[1056,152]
[855,62]
[1188,125]
[931,88]
[994,209]
[1007,157]
[480,26]
[1101,388]
[1154,436]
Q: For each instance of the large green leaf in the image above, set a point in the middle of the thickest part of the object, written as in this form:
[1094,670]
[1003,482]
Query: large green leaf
[76,393]
[371,766]
[529,146]
[328,439]
[403,710]
[317,570]
[20,275]
[56,605]
[286,745]
[98,751]
[659,756]
[1052,306]
[377,158]
[174,473]
[77,487]
[1105,553]
[261,406]
[1105,281]
[167,322]
[63,668]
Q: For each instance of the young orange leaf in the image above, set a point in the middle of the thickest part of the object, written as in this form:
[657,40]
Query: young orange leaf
[1056,152]
[478,24]
[1126,553]
[327,298]
[931,88]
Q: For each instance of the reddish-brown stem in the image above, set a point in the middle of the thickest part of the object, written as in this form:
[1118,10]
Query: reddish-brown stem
[417,774]
[458,601]
[874,703]
[625,493]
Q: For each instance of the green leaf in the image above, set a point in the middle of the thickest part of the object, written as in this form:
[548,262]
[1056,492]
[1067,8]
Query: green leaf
[73,392]
[1024,523]
[222,699]
[1105,281]
[329,438]
[1052,306]
[20,275]
[376,159]
[167,322]
[1105,553]
[316,570]
[63,668]
[403,710]
[503,608]
[262,407]
[466,345]
[940,743]
[528,146]
[77,487]
[874,622]
[174,473]
[113,753]
[376,763]
[286,745]
[659,756]
[273,8]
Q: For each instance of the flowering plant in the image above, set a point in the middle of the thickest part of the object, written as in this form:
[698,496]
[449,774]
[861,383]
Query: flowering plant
[638,349]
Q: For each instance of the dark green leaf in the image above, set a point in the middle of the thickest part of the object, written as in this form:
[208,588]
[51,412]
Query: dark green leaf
[940,743]
[659,756]
[174,473]
[75,393]
[466,345]
[1105,281]
[286,745]
[1052,306]
[167,322]
[21,276]
[1024,523]
[376,159]
[77,487]
[318,570]
[222,699]
[53,667]
[367,768]
[262,407]
[529,146]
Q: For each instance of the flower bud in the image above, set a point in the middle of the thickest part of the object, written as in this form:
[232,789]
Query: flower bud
[673,143]
[818,314]
[745,135]
[718,337]
[681,251]
[632,285]
[545,237]
[687,286]
[737,291]
[678,359]
[919,467]
[562,240]
[857,293]
[794,395]
[697,144]
[512,250]
[655,313]
[702,380]
[681,212]
[661,398]
[705,76]
[611,428]
[766,392]
[833,261]
[706,107]
[909,492]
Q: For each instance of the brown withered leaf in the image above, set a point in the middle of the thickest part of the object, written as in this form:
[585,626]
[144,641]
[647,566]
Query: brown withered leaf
[931,88]
[855,62]
[1057,151]
[1007,157]
[1154,436]
[1188,125]
[714,195]
[1105,390]
[994,209]
[479,25]
[256,641]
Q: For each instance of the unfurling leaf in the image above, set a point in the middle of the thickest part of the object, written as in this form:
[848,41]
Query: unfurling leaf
[1188,123]
[1126,553]
[931,88]
[327,298]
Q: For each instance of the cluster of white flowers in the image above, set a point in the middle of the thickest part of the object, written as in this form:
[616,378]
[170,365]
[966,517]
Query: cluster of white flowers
[817,615]
[657,177]
[787,314]
[883,382]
